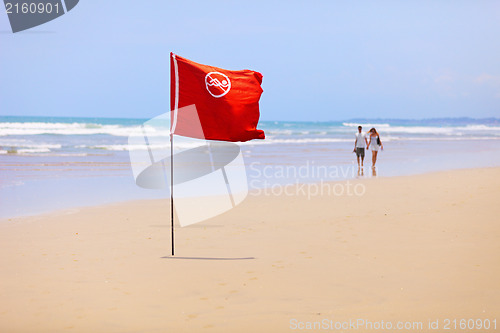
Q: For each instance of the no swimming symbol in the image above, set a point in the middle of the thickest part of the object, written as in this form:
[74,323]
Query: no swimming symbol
[26,14]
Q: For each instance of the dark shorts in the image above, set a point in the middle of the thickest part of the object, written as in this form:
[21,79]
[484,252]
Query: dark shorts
[360,152]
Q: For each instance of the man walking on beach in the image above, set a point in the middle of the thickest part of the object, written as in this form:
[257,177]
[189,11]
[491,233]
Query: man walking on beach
[359,145]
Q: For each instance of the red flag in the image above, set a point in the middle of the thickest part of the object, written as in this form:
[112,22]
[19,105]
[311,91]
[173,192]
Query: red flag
[227,102]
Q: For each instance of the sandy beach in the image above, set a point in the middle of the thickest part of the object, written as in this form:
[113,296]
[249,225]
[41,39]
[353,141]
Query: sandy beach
[410,249]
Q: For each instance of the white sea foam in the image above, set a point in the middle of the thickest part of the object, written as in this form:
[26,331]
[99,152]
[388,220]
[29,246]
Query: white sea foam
[37,128]
[22,146]
[127,147]
[417,130]
[469,138]
[365,125]
[32,150]
[75,129]
[67,154]
[279,132]
[457,131]
[443,130]
[481,128]
[26,144]
[296,141]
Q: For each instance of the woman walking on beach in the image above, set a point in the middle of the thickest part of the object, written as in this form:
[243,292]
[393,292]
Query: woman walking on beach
[375,143]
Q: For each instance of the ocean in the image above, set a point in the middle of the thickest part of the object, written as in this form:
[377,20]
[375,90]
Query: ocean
[50,163]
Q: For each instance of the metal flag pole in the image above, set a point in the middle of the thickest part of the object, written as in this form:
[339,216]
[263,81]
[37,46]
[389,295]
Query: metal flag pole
[172,190]
[173,123]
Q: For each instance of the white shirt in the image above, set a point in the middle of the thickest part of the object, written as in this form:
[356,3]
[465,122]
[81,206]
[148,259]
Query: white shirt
[360,140]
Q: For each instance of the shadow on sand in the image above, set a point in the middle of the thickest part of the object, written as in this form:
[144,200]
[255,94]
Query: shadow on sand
[207,258]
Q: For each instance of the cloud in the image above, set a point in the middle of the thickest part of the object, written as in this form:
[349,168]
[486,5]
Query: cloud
[487,78]
[489,82]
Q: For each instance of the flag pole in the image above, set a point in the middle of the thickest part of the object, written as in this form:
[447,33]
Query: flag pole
[172,191]
[173,123]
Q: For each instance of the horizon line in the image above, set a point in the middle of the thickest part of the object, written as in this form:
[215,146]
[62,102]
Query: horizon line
[275,120]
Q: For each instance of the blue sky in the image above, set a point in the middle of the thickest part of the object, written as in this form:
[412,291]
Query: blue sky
[321,60]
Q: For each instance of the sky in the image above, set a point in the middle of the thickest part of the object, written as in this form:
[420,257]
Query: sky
[321,60]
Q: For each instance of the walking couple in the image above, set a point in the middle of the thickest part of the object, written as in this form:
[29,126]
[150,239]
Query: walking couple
[370,139]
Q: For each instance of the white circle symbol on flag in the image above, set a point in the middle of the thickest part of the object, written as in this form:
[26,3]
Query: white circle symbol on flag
[217,84]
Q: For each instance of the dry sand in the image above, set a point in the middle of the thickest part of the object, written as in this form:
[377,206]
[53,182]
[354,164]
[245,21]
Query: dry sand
[414,248]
